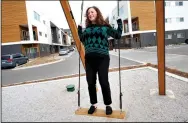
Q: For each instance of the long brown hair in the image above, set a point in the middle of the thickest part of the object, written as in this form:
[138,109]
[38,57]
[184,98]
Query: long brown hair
[99,20]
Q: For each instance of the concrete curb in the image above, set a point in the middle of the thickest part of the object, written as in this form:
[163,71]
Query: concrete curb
[171,74]
[133,67]
[73,75]
[21,68]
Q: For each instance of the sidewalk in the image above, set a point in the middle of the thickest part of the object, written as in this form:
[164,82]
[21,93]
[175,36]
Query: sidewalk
[42,60]
[50,102]
[54,58]
[171,60]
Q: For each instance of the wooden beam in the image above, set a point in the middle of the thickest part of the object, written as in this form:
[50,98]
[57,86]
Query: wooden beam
[72,24]
[160,26]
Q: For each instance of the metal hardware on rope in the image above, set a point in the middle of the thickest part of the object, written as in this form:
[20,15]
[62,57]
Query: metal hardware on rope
[79,59]
[120,95]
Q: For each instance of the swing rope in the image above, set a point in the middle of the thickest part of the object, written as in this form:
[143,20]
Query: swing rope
[79,59]
[120,93]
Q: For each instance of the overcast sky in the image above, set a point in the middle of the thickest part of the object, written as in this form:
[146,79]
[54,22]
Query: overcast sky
[54,11]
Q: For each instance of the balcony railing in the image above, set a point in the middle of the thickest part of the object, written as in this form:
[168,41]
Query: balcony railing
[135,26]
[25,35]
[25,38]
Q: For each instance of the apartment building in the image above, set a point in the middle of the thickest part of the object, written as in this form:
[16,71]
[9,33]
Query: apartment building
[139,23]
[176,22]
[68,31]
[24,30]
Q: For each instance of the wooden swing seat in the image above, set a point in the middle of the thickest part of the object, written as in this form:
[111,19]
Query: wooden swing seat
[101,113]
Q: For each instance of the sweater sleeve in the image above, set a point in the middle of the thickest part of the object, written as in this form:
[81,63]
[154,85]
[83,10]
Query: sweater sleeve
[116,33]
[80,33]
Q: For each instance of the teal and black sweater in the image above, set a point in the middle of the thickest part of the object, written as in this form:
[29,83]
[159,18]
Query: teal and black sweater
[95,38]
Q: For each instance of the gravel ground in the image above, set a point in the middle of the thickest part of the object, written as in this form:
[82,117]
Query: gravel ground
[50,102]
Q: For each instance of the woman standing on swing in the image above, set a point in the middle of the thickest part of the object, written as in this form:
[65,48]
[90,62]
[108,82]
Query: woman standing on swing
[97,59]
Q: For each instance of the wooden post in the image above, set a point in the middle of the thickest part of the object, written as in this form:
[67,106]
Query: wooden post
[160,26]
[72,24]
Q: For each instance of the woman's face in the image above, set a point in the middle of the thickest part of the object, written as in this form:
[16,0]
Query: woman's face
[92,14]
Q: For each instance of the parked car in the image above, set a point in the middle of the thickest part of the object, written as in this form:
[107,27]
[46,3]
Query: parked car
[13,60]
[71,48]
[186,41]
[63,52]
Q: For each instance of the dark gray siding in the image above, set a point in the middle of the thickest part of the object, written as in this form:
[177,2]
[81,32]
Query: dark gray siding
[122,43]
[11,49]
[174,39]
[44,49]
[148,39]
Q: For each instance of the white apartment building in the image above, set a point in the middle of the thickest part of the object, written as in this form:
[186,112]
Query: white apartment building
[176,21]
[27,31]
[139,22]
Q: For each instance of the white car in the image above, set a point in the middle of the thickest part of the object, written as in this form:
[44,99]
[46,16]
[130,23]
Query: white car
[63,52]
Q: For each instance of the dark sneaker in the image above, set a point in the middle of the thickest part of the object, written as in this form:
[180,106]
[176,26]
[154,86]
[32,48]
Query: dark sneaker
[108,110]
[92,109]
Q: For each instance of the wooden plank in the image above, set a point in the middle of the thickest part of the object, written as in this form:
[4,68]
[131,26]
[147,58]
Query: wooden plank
[72,24]
[13,14]
[160,45]
[145,11]
[101,113]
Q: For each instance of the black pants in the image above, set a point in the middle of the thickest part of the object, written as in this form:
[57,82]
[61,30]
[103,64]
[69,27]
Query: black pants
[100,65]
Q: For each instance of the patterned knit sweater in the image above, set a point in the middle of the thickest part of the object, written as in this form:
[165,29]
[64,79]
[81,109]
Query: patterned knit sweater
[95,38]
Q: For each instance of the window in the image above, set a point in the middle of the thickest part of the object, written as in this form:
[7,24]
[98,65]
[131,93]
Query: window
[36,16]
[40,33]
[168,20]
[180,19]
[22,55]
[168,36]
[114,17]
[121,11]
[167,3]
[25,35]
[44,21]
[135,26]
[180,35]
[17,56]
[179,3]
[5,57]
[126,28]
[45,35]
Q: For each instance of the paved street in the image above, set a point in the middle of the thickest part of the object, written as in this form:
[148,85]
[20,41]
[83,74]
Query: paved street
[67,67]
[176,57]
[174,49]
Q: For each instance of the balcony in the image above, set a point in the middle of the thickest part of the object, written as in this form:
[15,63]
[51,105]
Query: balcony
[135,24]
[24,33]
[55,34]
